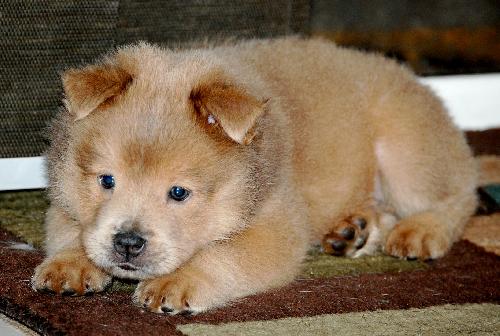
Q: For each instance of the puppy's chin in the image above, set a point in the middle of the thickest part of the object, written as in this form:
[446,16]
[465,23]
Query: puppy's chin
[144,267]
[128,272]
[133,271]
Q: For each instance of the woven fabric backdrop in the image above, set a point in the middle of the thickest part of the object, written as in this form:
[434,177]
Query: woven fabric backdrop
[39,39]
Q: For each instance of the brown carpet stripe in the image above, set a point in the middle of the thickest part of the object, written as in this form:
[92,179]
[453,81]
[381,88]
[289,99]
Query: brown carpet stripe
[467,275]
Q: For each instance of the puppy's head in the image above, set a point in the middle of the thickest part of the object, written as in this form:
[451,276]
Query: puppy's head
[160,159]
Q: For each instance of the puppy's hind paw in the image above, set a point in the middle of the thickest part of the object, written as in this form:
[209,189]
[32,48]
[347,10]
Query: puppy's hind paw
[418,237]
[347,237]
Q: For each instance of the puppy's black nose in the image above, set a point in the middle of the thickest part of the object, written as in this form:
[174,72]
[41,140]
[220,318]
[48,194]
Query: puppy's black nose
[129,244]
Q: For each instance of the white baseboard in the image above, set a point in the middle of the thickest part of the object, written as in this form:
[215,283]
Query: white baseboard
[473,102]
[22,173]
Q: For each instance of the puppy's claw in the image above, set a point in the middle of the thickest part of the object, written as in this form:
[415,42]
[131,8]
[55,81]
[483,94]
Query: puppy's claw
[167,309]
[45,290]
[187,313]
[68,292]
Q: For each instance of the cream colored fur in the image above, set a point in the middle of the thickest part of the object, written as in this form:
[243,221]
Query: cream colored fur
[278,140]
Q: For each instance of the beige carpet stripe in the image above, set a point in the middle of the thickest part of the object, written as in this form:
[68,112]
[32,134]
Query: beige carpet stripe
[9,327]
[484,231]
[469,319]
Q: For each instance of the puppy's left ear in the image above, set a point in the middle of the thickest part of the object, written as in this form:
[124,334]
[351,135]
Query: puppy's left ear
[222,103]
[94,86]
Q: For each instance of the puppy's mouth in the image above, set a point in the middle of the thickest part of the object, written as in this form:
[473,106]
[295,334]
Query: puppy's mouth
[128,267]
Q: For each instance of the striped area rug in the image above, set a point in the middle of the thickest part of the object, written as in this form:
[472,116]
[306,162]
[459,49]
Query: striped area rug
[458,294]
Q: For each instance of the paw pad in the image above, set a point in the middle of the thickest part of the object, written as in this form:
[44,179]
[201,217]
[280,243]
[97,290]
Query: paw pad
[347,237]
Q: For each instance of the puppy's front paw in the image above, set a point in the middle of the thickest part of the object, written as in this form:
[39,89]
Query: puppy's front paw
[69,273]
[173,294]
[418,237]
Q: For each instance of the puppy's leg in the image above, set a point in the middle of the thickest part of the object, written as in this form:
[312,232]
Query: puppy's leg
[427,172]
[261,257]
[66,269]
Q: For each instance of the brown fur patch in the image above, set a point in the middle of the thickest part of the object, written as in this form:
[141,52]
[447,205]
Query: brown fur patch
[86,155]
[95,86]
[231,107]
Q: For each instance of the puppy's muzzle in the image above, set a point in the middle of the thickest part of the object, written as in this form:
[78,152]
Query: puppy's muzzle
[129,244]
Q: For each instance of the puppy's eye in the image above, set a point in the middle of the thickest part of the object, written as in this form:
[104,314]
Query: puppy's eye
[107,181]
[178,193]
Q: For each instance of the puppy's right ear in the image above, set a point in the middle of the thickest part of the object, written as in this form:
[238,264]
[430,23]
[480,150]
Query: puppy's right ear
[93,86]
[222,103]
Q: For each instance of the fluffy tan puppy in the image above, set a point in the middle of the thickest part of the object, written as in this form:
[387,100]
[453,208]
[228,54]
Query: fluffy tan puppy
[207,173]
